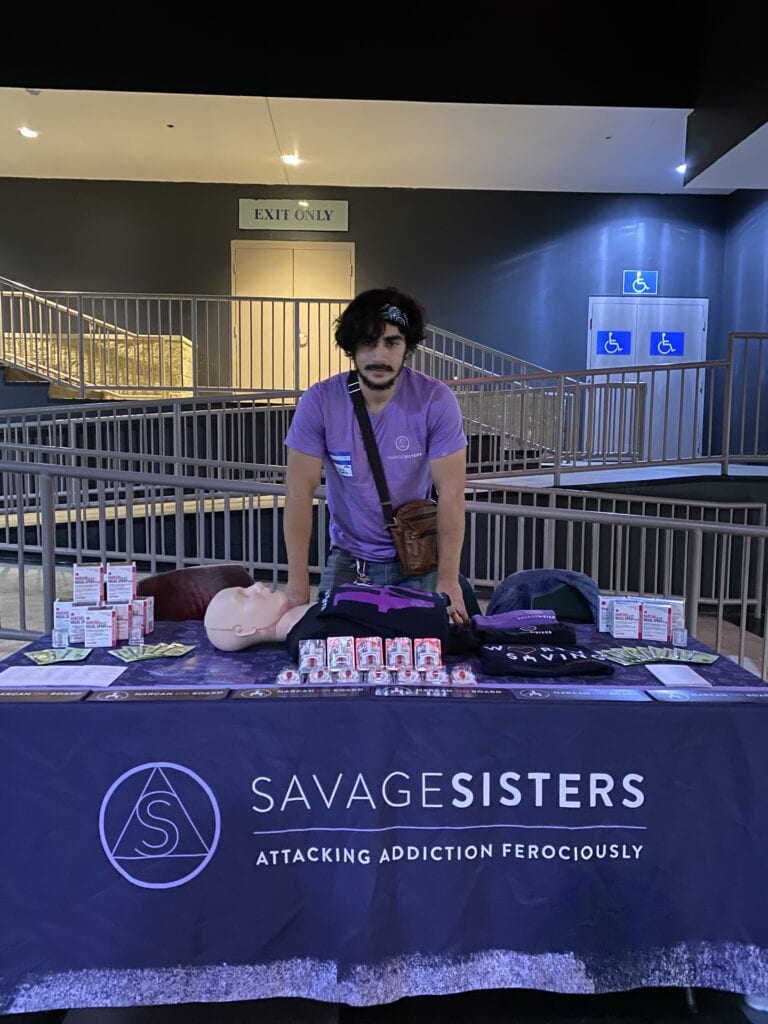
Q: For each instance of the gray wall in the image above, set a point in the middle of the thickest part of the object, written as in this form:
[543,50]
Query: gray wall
[22,394]
[745,288]
[511,269]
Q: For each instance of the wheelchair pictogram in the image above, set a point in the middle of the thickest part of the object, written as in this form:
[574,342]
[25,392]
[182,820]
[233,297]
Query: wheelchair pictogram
[640,285]
[667,343]
[612,345]
[640,282]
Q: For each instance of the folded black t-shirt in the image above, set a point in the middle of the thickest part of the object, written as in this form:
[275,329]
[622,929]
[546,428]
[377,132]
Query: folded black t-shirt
[364,609]
[549,633]
[516,660]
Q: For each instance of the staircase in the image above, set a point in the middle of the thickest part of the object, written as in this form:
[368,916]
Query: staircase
[144,347]
[82,355]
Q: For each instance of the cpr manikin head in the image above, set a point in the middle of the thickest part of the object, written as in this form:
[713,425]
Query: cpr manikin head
[238,617]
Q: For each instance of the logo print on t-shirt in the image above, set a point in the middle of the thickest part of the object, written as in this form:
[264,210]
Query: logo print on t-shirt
[402,443]
[343,462]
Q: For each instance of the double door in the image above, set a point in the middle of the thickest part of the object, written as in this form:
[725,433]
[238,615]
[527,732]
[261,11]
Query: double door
[657,333]
[278,342]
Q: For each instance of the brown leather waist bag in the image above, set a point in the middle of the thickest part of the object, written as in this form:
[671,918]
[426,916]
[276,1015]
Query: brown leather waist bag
[414,534]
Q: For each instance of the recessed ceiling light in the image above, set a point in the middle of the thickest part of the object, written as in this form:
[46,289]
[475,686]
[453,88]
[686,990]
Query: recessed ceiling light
[291,159]
[28,133]
[303,202]
[681,168]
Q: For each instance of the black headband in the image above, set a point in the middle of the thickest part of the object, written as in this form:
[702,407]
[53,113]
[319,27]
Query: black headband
[393,315]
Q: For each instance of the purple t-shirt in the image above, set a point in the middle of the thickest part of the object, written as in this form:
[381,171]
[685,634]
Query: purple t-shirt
[422,421]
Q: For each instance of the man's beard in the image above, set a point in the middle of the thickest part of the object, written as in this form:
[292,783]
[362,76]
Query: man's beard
[373,385]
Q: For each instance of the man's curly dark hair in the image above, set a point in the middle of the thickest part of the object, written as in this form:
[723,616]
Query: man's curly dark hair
[369,312]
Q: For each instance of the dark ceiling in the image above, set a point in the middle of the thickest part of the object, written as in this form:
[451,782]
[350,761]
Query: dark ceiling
[708,56]
[529,51]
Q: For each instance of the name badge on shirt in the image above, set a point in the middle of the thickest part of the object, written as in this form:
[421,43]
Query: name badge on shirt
[343,462]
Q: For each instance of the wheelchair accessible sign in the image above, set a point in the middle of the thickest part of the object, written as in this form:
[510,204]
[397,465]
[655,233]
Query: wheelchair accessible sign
[640,282]
[614,343]
[667,343]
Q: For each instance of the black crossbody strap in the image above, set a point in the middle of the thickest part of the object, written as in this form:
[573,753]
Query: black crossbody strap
[371,448]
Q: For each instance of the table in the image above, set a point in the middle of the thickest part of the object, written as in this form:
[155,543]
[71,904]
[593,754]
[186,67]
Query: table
[361,850]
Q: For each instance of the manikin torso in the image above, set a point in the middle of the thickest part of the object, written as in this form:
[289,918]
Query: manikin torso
[239,617]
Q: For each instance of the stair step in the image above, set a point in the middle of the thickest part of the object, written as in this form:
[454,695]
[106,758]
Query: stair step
[16,376]
[64,391]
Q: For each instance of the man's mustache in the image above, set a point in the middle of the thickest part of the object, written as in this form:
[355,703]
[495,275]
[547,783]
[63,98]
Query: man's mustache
[378,366]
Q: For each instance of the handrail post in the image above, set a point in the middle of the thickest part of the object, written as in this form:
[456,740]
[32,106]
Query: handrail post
[47,546]
[81,344]
[195,348]
[548,545]
[296,344]
[177,454]
[177,445]
[178,519]
[727,407]
[559,421]
[693,581]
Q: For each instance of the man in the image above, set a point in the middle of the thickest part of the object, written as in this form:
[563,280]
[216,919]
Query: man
[418,429]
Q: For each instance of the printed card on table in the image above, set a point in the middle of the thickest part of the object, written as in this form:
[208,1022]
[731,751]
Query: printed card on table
[80,676]
[581,693]
[724,695]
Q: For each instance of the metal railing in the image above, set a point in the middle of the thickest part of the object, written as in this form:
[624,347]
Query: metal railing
[521,418]
[52,514]
[90,344]
[235,434]
[238,431]
[745,413]
[129,345]
[627,563]
[556,423]
[542,424]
